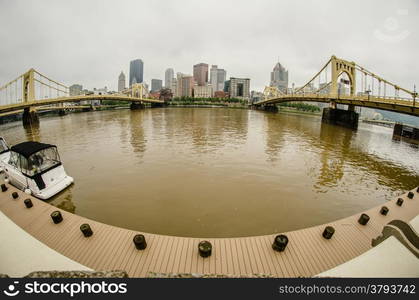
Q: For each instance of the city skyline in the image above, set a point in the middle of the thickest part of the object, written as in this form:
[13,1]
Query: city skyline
[304,44]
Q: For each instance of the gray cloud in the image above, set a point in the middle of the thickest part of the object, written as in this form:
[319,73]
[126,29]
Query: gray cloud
[90,42]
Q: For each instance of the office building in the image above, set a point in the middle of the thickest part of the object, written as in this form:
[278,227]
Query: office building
[239,88]
[217,78]
[169,75]
[173,87]
[200,74]
[156,85]
[121,82]
[136,70]
[185,85]
[202,91]
[75,89]
[279,77]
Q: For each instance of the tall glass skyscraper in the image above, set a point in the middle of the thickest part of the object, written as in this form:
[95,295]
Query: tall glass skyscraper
[136,69]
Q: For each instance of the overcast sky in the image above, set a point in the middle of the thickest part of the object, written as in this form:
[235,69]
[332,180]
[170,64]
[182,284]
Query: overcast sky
[90,42]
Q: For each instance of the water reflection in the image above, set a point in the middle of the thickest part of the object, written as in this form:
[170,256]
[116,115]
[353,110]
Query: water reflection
[137,136]
[274,136]
[332,162]
[32,132]
[64,202]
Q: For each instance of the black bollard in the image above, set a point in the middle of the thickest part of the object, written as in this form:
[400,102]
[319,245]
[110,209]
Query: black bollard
[56,217]
[384,210]
[399,202]
[410,195]
[139,241]
[328,232]
[3,187]
[86,230]
[204,248]
[280,243]
[15,195]
[363,219]
[28,203]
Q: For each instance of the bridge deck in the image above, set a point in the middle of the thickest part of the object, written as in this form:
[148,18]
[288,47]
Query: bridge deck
[110,248]
[391,104]
[79,98]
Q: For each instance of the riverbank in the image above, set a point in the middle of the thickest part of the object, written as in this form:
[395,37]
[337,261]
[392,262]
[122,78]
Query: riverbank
[206,104]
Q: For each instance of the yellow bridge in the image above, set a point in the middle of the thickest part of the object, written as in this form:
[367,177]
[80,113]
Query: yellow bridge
[349,84]
[32,89]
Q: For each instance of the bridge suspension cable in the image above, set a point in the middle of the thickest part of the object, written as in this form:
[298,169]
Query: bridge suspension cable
[11,92]
[31,86]
[46,84]
[309,83]
[349,83]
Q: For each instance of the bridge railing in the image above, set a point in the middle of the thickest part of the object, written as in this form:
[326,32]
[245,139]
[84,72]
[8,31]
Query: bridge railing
[301,96]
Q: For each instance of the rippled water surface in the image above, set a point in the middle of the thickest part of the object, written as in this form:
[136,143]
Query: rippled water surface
[217,172]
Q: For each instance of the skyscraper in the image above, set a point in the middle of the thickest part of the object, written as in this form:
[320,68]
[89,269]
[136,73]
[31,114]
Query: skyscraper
[121,82]
[217,78]
[168,78]
[185,84]
[279,77]
[156,85]
[214,77]
[136,68]
[200,74]
[221,78]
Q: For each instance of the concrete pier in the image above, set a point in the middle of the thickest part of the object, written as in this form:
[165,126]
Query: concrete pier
[406,131]
[153,105]
[271,108]
[346,118]
[30,117]
[62,112]
[88,108]
[137,105]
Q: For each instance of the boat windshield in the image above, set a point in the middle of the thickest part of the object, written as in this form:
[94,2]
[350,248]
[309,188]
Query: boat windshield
[40,161]
[3,146]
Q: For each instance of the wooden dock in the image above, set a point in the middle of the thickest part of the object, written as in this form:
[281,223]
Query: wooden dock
[112,248]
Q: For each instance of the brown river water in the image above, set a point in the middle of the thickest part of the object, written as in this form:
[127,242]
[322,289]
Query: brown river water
[219,172]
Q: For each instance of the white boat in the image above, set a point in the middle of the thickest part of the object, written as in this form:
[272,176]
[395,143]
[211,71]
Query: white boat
[4,153]
[36,167]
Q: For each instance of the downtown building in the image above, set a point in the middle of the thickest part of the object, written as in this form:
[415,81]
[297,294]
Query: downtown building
[75,89]
[169,76]
[184,85]
[136,71]
[200,74]
[238,88]
[217,78]
[156,85]
[173,87]
[121,82]
[202,91]
[279,78]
